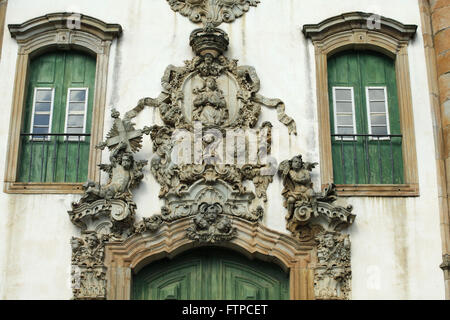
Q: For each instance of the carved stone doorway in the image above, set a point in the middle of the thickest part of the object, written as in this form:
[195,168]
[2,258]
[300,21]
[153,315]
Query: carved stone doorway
[210,273]
[254,241]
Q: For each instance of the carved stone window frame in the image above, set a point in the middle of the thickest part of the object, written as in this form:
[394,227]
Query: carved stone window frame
[123,259]
[359,30]
[45,33]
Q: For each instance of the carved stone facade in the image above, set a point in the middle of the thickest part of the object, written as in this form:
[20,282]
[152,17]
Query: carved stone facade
[206,177]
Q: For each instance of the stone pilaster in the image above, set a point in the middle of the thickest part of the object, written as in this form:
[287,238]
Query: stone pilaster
[435,16]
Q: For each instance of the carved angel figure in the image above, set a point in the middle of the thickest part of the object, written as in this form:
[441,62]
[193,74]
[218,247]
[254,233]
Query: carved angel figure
[124,174]
[298,187]
[210,225]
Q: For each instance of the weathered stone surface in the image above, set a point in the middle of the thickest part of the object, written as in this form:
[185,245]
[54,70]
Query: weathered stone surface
[332,276]
[210,225]
[213,11]
[440,17]
[88,270]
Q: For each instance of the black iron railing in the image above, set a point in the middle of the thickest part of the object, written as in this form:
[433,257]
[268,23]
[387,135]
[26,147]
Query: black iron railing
[373,150]
[60,151]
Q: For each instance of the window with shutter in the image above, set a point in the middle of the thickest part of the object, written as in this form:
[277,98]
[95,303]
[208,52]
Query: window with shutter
[55,135]
[365,124]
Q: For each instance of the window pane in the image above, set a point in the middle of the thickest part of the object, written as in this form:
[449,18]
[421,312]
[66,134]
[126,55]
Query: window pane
[75,120]
[41,119]
[44,95]
[376,94]
[378,119]
[345,130]
[343,107]
[379,130]
[344,120]
[40,130]
[77,95]
[343,94]
[42,106]
[377,107]
[74,130]
[76,106]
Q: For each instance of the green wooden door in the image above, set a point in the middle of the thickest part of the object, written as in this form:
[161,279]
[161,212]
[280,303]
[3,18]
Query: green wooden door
[58,100]
[363,101]
[211,274]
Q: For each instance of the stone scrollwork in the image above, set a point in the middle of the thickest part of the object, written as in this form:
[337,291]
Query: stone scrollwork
[213,11]
[315,217]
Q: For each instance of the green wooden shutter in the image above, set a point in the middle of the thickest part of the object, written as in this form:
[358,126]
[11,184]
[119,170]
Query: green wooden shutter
[211,274]
[57,159]
[365,160]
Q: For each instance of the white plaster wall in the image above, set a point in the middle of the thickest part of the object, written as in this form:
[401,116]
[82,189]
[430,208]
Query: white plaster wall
[396,246]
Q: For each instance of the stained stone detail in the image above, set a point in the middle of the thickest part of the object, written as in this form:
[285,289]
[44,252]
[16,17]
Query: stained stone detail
[213,11]
[332,275]
[316,217]
[88,270]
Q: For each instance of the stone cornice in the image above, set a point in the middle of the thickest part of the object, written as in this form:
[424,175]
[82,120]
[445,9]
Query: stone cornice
[359,21]
[62,20]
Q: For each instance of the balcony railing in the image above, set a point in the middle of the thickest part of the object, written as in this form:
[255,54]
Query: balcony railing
[367,158]
[54,157]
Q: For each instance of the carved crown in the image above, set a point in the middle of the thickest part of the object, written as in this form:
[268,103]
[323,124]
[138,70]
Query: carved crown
[209,40]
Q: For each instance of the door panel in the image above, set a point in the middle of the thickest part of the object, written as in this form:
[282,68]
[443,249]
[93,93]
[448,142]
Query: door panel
[211,274]
[164,283]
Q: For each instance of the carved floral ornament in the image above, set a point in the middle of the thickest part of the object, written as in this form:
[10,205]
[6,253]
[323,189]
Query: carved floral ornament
[207,98]
[212,11]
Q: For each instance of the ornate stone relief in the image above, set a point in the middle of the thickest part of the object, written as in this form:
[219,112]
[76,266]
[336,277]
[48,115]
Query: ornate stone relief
[332,275]
[210,225]
[204,102]
[315,217]
[106,212]
[88,270]
[214,11]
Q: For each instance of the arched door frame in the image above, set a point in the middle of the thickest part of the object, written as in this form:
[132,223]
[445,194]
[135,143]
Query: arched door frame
[255,241]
